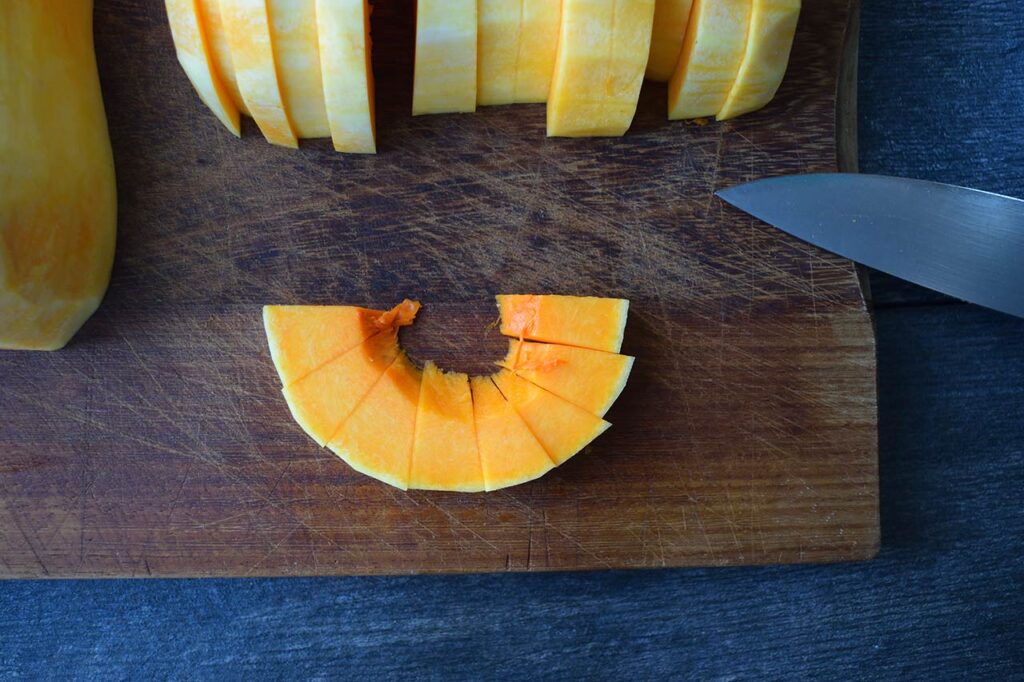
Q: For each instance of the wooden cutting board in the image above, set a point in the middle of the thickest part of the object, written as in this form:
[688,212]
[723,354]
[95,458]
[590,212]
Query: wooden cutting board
[158,443]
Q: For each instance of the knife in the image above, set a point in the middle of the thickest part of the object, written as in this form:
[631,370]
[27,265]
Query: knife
[963,242]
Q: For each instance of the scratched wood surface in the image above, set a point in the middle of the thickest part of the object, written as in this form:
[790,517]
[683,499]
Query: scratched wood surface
[158,443]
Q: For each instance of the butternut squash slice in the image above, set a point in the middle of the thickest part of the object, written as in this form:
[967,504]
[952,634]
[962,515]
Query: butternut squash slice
[518,41]
[252,52]
[58,204]
[561,427]
[194,55]
[446,54]
[585,321]
[772,29]
[219,49]
[713,49]
[603,47]
[296,42]
[670,20]
[376,439]
[509,452]
[344,33]
[590,379]
[445,454]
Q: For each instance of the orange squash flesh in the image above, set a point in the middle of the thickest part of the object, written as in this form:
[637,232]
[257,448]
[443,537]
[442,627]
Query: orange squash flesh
[249,36]
[58,204]
[509,452]
[516,48]
[670,20]
[305,337]
[323,399]
[377,438]
[583,321]
[590,379]
[561,427]
[350,387]
[445,455]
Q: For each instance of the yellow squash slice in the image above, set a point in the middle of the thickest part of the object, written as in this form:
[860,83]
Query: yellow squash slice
[445,455]
[377,437]
[602,55]
[590,379]
[772,28]
[584,321]
[446,52]
[509,452]
[518,41]
[195,57]
[220,50]
[561,427]
[294,35]
[252,52]
[344,29]
[670,20]
[713,49]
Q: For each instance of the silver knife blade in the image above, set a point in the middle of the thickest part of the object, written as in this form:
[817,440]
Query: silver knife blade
[963,242]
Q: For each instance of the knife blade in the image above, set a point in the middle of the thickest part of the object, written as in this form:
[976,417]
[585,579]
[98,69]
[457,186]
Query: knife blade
[963,242]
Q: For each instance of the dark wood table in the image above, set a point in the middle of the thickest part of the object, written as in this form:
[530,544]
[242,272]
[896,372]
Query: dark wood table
[941,92]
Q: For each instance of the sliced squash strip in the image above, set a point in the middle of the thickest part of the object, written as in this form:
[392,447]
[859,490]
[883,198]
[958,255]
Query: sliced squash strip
[498,51]
[252,52]
[602,55]
[220,51]
[561,427]
[713,49]
[305,337]
[345,50]
[446,57]
[377,438]
[589,379]
[538,47]
[772,29]
[670,20]
[194,55]
[322,400]
[585,321]
[509,452]
[294,35]
[445,454]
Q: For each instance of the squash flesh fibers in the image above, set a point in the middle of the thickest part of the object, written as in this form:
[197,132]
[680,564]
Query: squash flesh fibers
[58,204]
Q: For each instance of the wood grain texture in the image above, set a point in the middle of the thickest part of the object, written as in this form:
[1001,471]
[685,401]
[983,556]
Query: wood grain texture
[158,444]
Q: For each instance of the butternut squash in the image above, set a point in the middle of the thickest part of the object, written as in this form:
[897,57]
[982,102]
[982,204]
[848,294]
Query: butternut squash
[58,204]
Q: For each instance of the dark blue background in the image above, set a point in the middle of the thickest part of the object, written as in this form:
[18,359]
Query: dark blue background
[941,97]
